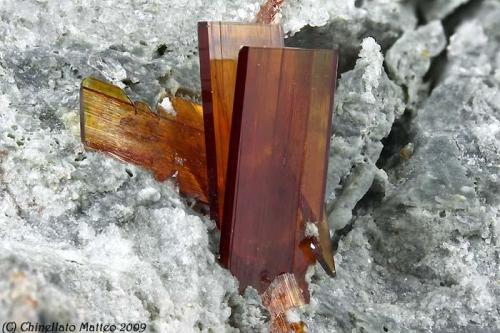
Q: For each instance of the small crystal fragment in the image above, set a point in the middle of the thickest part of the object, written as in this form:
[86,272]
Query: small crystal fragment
[165,143]
[269,11]
[282,295]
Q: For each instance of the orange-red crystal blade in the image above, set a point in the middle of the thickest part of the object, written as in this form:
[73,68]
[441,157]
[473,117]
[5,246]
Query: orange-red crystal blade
[163,143]
[219,44]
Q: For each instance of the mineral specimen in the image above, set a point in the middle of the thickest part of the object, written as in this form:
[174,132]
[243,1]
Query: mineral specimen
[277,161]
[171,140]
[86,237]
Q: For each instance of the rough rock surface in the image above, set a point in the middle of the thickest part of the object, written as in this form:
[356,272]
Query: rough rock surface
[344,24]
[409,59]
[84,237]
[426,256]
[366,107]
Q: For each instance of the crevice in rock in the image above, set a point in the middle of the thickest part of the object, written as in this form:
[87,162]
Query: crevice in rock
[402,130]
[400,135]
[450,24]
[371,199]
[321,37]
[420,16]
[459,15]
[340,234]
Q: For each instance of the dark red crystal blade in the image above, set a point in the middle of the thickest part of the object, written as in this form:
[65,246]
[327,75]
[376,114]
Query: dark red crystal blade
[277,161]
[219,44]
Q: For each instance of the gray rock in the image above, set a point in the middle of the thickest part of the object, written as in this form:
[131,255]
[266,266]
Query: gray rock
[409,59]
[344,24]
[367,103]
[425,257]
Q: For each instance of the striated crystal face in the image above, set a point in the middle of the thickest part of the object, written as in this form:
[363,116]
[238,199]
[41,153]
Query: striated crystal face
[282,295]
[277,161]
[219,44]
[166,143]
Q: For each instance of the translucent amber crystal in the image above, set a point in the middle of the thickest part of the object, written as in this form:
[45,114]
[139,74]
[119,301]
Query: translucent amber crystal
[277,162]
[282,295]
[164,143]
[268,12]
[325,247]
[320,246]
[219,44]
